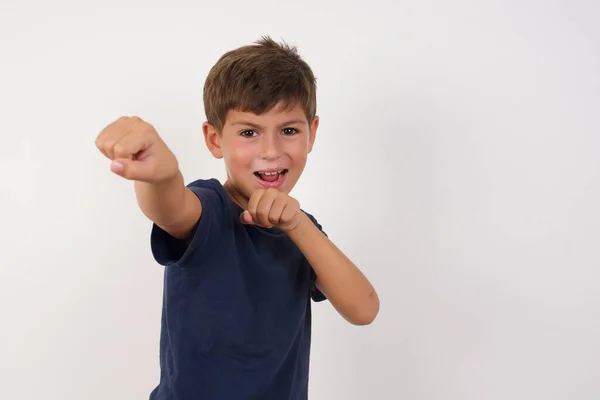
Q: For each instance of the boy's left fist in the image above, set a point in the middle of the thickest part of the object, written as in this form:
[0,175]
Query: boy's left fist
[271,208]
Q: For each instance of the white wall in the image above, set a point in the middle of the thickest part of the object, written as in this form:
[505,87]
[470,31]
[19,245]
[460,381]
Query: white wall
[457,164]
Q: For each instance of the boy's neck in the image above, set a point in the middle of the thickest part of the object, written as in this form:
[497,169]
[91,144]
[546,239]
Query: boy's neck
[235,195]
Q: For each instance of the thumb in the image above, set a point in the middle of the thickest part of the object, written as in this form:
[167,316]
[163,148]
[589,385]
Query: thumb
[246,218]
[128,169]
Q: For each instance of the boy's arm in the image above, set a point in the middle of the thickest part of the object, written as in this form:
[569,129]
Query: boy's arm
[337,277]
[170,205]
[348,290]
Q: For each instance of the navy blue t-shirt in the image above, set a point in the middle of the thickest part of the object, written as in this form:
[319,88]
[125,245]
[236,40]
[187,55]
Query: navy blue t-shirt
[236,317]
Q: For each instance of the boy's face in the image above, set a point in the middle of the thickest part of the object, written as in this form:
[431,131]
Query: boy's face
[263,151]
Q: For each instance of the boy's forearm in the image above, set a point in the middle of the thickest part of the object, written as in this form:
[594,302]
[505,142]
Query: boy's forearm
[164,203]
[348,290]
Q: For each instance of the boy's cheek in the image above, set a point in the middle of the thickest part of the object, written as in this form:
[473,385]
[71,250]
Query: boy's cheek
[243,154]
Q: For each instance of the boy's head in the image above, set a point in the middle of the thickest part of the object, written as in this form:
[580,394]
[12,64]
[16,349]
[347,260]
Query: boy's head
[260,103]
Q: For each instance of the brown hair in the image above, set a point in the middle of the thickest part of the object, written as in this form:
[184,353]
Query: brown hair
[255,78]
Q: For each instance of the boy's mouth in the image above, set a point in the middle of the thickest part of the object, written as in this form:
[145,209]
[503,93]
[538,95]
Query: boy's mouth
[270,176]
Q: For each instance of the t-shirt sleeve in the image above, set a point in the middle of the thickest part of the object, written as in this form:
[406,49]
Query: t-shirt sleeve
[168,250]
[315,294]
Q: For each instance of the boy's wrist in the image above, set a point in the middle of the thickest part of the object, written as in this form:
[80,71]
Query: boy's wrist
[171,180]
[166,184]
[301,228]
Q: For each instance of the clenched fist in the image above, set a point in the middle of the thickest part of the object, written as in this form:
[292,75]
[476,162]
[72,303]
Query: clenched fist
[136,151]
[271,208]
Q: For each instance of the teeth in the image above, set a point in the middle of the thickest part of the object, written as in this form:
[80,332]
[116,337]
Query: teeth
[271,173]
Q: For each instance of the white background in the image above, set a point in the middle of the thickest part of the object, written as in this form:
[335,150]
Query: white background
[456,163]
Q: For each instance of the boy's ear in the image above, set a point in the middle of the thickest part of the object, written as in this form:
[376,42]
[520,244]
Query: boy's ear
[212,139]
[313,132]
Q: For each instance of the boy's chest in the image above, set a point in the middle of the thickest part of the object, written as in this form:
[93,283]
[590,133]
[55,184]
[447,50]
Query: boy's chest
[254,296]
[250,276]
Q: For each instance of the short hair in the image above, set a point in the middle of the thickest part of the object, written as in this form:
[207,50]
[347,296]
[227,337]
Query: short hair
[255,78]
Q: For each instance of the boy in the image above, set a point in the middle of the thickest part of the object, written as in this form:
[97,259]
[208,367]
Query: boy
[242,260]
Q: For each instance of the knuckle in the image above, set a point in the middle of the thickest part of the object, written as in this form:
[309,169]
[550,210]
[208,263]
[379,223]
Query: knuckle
[119,150]
[109,143]
[107,147]
[262,214]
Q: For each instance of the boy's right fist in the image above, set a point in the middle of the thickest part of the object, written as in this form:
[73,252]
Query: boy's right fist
[136,151]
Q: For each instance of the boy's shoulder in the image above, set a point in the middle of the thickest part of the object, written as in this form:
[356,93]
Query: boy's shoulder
[206,185]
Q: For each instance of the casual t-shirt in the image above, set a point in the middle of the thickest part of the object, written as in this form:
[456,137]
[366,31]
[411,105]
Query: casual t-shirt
[236,316]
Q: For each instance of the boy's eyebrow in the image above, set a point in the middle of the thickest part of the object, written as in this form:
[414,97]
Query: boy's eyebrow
[294,121]
[257,126]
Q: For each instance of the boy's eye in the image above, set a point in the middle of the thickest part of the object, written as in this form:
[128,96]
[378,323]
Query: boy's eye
[248,133]
[289,131]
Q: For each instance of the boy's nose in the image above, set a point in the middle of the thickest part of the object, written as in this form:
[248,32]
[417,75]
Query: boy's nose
[270,147]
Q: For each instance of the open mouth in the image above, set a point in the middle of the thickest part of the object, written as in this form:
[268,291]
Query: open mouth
[270,176]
